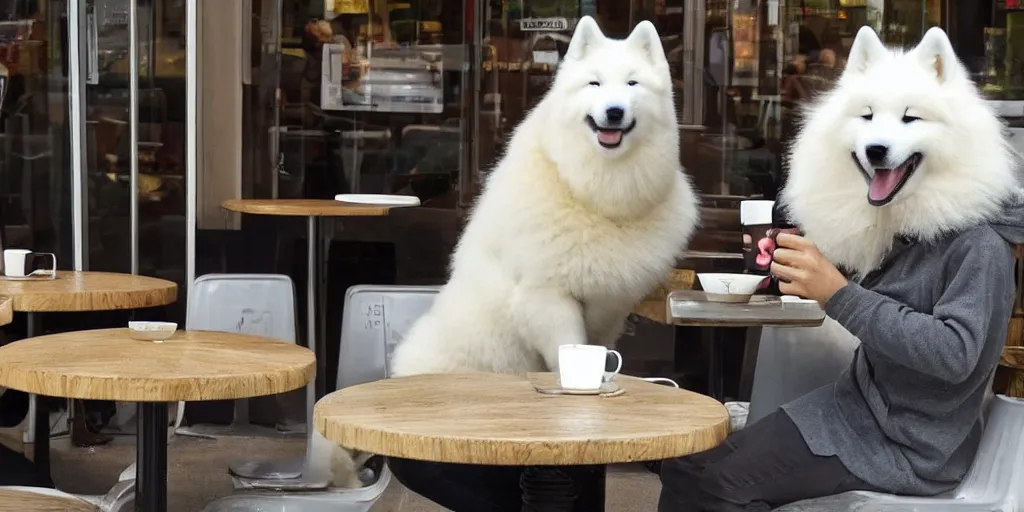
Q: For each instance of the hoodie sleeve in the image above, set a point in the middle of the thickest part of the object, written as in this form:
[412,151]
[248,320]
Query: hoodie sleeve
[947,343]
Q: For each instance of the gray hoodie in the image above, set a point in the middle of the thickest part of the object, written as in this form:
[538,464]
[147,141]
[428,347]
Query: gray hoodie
[932,321]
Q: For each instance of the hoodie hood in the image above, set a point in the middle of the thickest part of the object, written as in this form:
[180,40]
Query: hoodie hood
[1009,223]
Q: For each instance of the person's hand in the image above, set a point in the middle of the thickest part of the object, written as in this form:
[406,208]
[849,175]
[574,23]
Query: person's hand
[802,269]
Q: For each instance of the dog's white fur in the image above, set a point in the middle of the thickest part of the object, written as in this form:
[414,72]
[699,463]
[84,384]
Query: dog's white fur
[567,236]
[967,169]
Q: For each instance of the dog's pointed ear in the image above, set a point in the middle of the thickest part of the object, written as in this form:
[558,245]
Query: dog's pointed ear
[936,52]
[646,37]
[867,50]
[586,35]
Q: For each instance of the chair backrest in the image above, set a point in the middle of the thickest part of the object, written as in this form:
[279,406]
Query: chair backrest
[793,361]
[375,320]
[260,304]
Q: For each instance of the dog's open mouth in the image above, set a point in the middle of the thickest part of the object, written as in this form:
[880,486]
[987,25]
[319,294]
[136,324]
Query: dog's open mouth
[885,183]
[609,137]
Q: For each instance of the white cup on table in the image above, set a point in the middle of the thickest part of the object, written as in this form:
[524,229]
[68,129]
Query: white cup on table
[14,262]
[582,367]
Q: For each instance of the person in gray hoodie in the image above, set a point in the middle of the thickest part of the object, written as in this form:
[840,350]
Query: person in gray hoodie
[910,205]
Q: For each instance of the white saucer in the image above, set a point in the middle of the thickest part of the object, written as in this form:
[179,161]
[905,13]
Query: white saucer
[378,199]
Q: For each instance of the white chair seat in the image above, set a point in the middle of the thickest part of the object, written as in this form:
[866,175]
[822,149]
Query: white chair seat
[995,482]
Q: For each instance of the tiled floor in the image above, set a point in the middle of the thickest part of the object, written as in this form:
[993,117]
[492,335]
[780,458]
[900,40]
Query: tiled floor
[198,473]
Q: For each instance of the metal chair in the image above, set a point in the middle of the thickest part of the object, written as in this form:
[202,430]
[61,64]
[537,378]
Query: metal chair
[995,482]
[793,361]
[262,304]
[374,321]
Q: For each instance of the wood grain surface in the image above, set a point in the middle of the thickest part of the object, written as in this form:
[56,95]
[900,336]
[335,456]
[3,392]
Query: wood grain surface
[304,208]
[89,291]
[487,418]
[692,308]
[12,500]
[653,306]
[6,310]
[106,364]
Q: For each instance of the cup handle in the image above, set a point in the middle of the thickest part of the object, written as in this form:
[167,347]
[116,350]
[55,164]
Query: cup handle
[618,366]
[53,263]
[662,380]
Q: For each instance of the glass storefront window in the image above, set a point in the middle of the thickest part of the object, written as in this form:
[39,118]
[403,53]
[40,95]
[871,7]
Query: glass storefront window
[34,147]
[420,96]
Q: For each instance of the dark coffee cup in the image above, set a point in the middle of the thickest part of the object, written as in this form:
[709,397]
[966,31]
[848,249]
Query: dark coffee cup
[756,217]
[762,222]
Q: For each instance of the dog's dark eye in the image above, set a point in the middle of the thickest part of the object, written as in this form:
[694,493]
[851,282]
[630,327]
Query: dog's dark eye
[867,117]
[631,83]
[910,119]
[595,84]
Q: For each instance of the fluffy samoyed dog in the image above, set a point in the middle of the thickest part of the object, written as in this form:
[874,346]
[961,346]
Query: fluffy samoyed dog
[904,145]
[583,217]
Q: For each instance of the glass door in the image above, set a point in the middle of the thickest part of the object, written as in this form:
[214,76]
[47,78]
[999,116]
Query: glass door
[35,151]
[132,135]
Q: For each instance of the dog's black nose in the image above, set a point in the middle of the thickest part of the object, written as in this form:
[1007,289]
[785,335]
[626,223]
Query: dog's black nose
[615,115]
[876,153]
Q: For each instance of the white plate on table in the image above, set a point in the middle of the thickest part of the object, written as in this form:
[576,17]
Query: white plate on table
[378,199]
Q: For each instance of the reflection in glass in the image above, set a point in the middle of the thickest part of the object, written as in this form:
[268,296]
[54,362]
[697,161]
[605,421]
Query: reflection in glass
[34,182]
[160,149]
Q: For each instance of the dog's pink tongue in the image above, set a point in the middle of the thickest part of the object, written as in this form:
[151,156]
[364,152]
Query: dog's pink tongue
[610,137]
[884,183]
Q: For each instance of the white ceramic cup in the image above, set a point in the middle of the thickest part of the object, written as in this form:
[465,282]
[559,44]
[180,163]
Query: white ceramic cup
[582,366]
[14,262]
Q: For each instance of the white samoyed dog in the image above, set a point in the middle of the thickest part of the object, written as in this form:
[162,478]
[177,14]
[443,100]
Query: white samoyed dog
[582,218]
[904,145]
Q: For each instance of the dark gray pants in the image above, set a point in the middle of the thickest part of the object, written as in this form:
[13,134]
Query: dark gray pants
[763,466]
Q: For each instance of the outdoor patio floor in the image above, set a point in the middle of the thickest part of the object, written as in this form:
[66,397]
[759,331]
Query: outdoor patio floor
[198,473]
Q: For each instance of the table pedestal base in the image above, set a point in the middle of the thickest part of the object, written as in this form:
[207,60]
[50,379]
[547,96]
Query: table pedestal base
[151,458]
[281,474]
[563,489]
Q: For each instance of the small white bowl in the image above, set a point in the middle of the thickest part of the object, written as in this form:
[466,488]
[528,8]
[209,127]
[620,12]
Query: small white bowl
[729,287]
[151,331]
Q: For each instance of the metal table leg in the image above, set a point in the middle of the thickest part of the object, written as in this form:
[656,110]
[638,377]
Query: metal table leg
[716,386]
[287,474]
[151,458]
[563,489]
[38,431]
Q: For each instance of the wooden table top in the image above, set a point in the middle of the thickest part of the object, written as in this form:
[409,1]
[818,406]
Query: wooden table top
[304,208]
[13,500]
[6,310]
[691,308]
[106,364]
[486,418]
[89,291]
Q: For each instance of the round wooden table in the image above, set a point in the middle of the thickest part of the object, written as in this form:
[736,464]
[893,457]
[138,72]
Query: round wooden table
[76,291]
[691,308]
[18,500]
[497,419]
[88,291]
[106,364]
[313,210]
